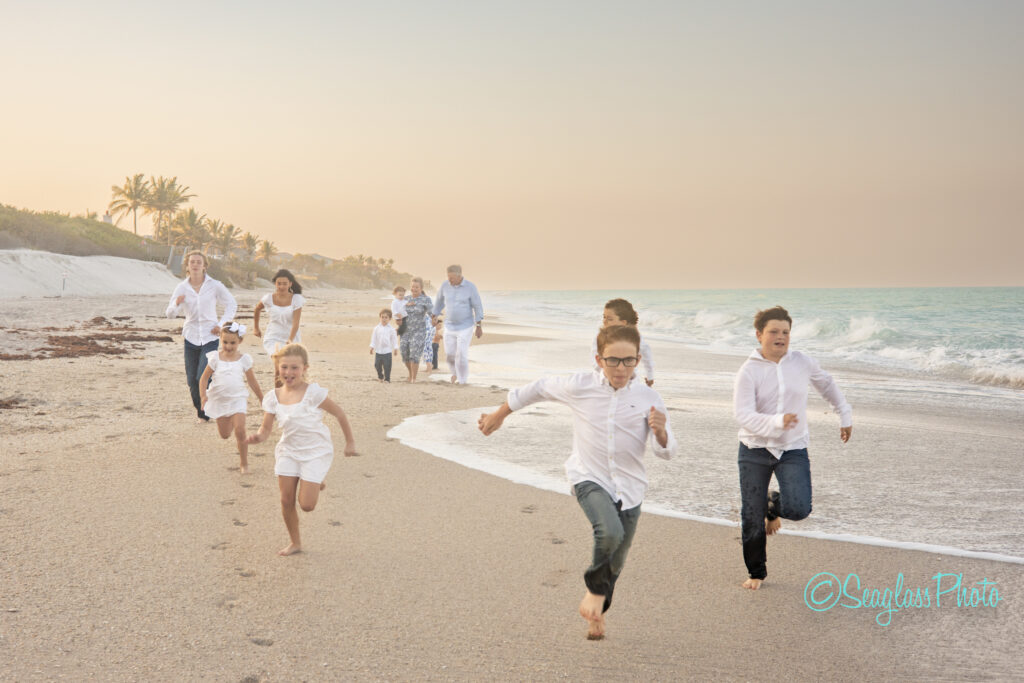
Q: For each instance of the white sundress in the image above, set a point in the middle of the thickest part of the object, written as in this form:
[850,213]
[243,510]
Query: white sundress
[228,393]
[304,436]
[280,318]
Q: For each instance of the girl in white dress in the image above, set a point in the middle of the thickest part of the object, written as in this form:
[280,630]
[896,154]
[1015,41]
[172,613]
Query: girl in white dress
[284,309]
[226,400]
[304,453]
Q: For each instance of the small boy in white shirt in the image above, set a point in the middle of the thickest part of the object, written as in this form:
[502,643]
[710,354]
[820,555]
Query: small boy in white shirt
[384,345]
[615,415]
[398,308]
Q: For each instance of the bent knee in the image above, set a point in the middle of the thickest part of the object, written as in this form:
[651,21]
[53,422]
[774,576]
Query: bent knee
[609,542]
[307,507]
[797,512]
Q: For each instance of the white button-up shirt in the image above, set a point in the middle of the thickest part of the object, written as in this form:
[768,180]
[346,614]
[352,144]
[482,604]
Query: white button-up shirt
[765,391]
[610,430]
[384,339]
[200,309]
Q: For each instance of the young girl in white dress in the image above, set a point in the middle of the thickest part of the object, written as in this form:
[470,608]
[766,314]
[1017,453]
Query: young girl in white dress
[226,400]
[284,309]
[304,453]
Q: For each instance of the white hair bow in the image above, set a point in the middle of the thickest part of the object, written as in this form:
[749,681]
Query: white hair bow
[237,328]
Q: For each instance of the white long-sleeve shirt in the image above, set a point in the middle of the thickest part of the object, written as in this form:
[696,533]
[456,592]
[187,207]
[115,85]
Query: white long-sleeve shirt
[765,391]
[646,357]
[384,339]
[200,309]
[610,430]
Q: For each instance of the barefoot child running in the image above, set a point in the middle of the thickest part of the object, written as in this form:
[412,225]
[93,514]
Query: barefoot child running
[614,415]
[304,453]
[226,400]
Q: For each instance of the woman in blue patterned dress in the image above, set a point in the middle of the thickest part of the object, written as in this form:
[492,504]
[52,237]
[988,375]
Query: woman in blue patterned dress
[418,306]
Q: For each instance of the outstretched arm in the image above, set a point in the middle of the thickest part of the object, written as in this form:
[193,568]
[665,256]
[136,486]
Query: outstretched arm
[250,377]
[264,432]
[296,315]
[491,422]
[329,406]
[204,383]
[256,319]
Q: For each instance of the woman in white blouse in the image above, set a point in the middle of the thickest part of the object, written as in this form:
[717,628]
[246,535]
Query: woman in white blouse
[284,309]
[196,298]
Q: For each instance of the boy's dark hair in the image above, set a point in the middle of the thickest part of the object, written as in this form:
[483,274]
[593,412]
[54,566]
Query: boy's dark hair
[383,311]
[398,288]
[624,310]
[296,288]
[617,333]
[776,313]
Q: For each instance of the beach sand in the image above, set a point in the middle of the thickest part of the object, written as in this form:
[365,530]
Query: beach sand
[132,549]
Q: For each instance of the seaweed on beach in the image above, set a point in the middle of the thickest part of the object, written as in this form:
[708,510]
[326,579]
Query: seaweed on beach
[110,343]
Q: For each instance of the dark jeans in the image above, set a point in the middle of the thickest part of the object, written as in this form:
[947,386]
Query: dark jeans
[382,364]
[195,364]
[434,346]
[793,472]
[613,534]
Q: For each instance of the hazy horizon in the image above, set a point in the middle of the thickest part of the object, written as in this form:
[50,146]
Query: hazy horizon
[572,145]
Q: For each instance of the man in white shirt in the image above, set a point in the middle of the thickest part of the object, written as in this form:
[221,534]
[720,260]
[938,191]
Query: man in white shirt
[615,414]
[197,297]
[465,315]
[770,403]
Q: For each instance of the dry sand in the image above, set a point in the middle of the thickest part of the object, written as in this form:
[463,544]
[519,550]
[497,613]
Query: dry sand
[132,549]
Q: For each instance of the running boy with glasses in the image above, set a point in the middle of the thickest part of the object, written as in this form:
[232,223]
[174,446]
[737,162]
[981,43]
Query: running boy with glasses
[614,415]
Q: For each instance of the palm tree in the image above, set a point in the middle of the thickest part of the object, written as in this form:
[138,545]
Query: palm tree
[267,250]
[165,198]
[225,236]
[131,198]
[249,243]
[189,229]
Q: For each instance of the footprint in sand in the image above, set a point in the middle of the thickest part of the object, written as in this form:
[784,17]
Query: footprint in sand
[334,522]
[240,523]
[219,546]
[246,486]
[229,501]
[555,539]
[228,602]
[265,642]
[528,509]
[245,573]
[554,579]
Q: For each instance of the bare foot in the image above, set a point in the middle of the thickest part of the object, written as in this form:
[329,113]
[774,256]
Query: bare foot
[290,550]
[244,469]
[773,526]
[453,379]
[753,584]
[596,629]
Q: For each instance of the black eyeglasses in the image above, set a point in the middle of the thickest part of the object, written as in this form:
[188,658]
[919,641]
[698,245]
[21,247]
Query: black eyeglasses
[613,362]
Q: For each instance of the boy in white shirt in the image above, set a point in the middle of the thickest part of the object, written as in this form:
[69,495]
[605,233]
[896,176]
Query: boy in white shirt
[384,344]
[770,403]
[614,416]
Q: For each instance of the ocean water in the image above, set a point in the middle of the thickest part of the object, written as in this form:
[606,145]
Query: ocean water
[935,376]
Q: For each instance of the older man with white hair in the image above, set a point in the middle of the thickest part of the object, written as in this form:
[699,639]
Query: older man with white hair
[465,313]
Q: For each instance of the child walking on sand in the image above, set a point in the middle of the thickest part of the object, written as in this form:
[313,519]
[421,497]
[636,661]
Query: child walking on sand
[383,345]
[621,312]
[226,400]
[304,453]
[614,415]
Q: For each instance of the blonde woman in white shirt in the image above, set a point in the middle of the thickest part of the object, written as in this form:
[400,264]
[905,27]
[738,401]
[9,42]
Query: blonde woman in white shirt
[770,403]
[615,415]
[196,298]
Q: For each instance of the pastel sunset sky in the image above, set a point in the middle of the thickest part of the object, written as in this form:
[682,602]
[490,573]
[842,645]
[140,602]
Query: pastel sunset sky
[543,145]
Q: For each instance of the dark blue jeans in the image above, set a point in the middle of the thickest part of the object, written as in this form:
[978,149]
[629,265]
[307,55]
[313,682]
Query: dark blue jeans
[382,364]
[613,534]
[195,364]
[793,472]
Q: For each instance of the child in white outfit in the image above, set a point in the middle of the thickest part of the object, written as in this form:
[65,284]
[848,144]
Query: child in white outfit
[304,453]
[226,400]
